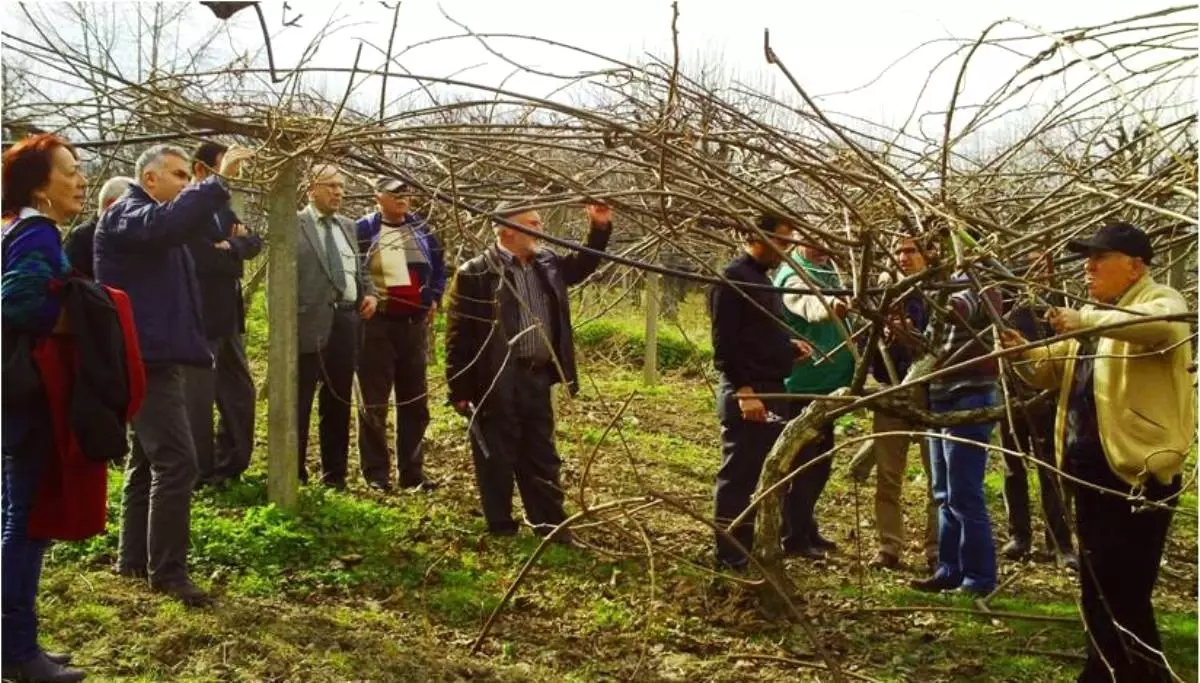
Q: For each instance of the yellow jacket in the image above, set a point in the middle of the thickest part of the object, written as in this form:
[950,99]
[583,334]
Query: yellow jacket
[1145,401]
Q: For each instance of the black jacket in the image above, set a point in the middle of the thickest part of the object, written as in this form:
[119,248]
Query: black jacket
[219,273]
[78,247]
[749,347]
[478,304]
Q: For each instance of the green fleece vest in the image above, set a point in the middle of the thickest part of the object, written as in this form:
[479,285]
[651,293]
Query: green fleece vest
[817,375]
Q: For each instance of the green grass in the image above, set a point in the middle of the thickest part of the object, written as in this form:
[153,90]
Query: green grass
[358,586]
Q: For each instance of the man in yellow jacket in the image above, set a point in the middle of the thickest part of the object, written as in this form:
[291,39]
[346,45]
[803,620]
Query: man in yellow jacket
[1125,420]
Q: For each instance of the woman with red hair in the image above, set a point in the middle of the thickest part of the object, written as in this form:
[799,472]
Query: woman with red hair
[43,188]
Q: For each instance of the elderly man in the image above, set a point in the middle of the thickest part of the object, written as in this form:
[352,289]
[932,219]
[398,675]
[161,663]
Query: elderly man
[1125,422]
[219,257]
[754,352]
[816,318]
[405,262]
[508,340]
[140,248]
[78,244]
[334,293]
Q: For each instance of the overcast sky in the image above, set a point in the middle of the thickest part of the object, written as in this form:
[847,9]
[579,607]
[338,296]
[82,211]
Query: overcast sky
[831,47]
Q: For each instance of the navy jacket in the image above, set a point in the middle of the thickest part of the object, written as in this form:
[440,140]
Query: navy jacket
[219,272]
[914,308]
[434,276]
[140,248]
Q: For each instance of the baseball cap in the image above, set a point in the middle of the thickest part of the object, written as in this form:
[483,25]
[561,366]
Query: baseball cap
[1119,236]
[390,185]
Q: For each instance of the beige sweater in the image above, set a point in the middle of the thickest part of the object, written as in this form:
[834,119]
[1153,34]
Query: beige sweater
[1145,399]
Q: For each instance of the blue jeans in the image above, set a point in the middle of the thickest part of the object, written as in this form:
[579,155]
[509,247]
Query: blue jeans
[23,454]
[966,554]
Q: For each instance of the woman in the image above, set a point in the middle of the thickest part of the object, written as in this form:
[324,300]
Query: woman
[43,188]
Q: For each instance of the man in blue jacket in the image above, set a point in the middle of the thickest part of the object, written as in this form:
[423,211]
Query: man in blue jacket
[219,259]
[404,260]
[140,247]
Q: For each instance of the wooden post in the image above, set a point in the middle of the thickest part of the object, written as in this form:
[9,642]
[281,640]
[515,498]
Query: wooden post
[650,298]
[283,476]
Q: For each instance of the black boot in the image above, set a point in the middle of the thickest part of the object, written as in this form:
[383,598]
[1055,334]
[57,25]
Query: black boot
[41,670]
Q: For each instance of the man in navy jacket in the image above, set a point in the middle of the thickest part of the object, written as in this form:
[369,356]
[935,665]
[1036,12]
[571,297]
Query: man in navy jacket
[220,257]
[140,248]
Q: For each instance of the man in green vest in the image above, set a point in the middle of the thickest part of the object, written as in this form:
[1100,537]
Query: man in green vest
[815,318]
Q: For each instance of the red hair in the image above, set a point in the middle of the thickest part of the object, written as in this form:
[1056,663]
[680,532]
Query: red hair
[27,167]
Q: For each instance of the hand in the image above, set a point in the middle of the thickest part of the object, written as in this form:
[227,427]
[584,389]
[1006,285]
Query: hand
[367,308]
[462,408]
[803,349]
[239,230]
[223,245]
[1064,319]
[231,163]
[599,214]
[1009,339]
[839,307]
[753,409]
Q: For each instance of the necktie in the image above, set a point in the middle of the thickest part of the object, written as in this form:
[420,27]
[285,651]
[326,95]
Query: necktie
[333,258]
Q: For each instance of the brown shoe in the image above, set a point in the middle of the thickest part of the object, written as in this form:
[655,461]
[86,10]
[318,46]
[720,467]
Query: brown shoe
[186,592]
[884,560]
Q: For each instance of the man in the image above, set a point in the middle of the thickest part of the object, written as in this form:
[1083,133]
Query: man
[334,293]
[508,340]
[406,266]
[1031,433]
[140,249]
[901,342]
[966,555]
[818,319]
[753,351]
[78,243]
[219,258]
[1125,421]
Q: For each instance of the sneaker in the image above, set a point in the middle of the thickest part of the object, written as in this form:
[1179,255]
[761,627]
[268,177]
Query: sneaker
[1069,560]
[41,669]
[59,658]
[379,486]
[1015,549]
[973,591]
[806,552]
[935,584]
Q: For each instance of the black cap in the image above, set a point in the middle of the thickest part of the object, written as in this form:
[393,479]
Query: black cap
[390,185]
[1121,237]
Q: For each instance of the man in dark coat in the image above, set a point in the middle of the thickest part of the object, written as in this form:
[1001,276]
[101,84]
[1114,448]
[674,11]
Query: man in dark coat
[220,257]
[140,249]
[508,340]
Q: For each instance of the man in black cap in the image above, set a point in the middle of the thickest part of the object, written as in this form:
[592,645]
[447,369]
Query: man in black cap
[1126,417]
[404,260]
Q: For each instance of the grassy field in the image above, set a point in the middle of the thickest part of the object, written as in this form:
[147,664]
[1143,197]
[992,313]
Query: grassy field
[364,587]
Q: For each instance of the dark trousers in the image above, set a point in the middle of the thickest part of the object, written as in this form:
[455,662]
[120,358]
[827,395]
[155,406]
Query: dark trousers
[512,439]
[393,359]
[1038,444]
[333,368]
[21,569]
[744,448]
[159,478]
[800,528]
[230,386]
[1120,552]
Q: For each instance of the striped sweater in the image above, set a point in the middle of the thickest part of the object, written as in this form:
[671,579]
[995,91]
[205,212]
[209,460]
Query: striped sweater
[956,342]
[32,259]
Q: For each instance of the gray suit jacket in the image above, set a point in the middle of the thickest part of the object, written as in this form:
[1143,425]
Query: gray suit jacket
[314,282]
